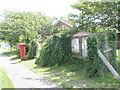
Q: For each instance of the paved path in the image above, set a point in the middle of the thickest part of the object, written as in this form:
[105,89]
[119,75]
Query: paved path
[21,76]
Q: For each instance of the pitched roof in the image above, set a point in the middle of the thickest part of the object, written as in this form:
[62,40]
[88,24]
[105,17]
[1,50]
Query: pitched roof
[63,21]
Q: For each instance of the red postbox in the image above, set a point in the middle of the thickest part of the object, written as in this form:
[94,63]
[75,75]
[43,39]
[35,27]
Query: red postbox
[22,51]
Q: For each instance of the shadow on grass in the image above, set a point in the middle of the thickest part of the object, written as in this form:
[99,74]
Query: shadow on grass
[26,59]
[16,62]
[15,58]
[8,53]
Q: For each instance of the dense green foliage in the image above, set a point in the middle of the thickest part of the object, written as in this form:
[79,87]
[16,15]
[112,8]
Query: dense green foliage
[93,64]
[23,27]
[32,50]
[93,14]
[112,38]
[56,50]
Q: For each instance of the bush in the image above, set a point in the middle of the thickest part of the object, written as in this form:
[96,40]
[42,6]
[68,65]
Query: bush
[112,38]
[32,50]
[56,50]
[94,66]
[52,52]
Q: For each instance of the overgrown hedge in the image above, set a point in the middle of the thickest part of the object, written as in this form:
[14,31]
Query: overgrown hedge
[32,50]
[56,50]
[94,66]
[112,38]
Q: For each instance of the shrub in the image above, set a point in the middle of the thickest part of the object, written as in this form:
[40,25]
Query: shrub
[32,50]
[94,66]
[112,38]
[56,50]
[52,52]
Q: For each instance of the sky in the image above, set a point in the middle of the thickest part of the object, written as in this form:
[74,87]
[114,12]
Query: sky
[58,8]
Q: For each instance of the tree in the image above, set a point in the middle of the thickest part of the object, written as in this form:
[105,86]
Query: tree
[23,27]
[93,14]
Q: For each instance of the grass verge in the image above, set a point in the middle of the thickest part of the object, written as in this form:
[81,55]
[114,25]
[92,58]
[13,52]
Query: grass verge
[71,75]
[4,80]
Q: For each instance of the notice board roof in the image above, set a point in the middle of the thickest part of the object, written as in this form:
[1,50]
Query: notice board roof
[82,34]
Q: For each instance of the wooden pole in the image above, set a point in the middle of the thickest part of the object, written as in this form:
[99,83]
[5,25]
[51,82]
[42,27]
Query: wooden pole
[108,65]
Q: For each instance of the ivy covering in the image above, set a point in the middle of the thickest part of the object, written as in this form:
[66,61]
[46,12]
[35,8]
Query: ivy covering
[32,50]
[56,50]
[93,64]
[112,38]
